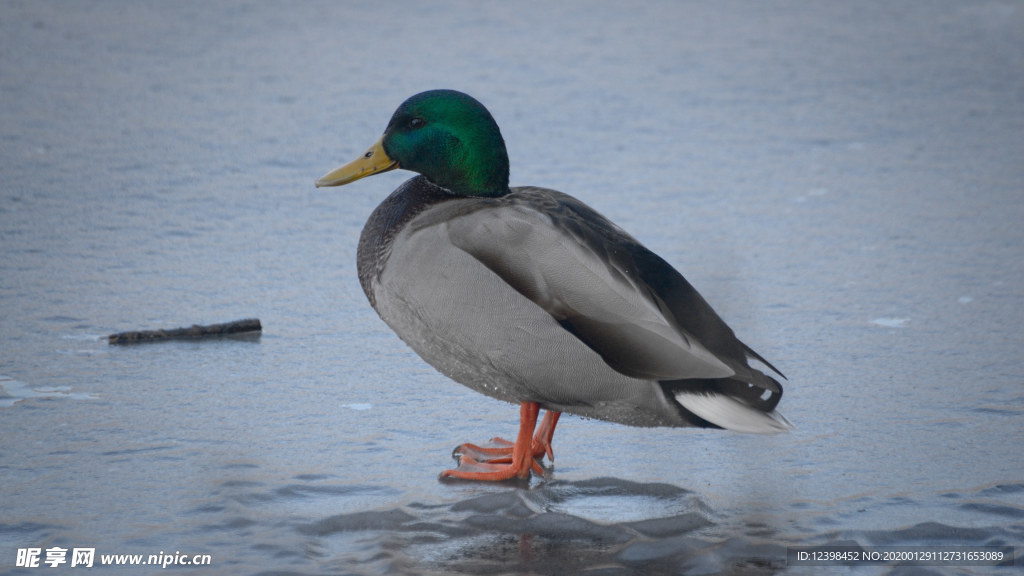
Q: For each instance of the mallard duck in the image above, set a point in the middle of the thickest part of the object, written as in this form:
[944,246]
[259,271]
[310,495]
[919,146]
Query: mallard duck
[530,296]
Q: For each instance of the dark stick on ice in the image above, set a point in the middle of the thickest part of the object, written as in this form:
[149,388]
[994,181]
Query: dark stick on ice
[250,326]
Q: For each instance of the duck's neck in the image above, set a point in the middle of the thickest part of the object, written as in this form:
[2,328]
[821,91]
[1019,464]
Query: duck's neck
[475,168]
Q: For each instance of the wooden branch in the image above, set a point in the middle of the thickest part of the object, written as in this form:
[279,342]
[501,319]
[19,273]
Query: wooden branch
[248,327]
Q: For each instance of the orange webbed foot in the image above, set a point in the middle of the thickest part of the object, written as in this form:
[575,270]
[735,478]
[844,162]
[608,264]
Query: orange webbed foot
[500,459]
[470,469]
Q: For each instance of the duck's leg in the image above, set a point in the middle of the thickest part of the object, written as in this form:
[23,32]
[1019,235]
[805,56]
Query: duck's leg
[499,450]
[542,439]
[518,466]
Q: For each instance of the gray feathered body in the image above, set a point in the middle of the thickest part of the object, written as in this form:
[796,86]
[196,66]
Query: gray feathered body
[534,296]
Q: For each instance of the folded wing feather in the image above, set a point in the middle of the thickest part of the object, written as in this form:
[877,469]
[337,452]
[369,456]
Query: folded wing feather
[602,304]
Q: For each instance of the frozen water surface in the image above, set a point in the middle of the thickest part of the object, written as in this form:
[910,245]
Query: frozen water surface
[842,181]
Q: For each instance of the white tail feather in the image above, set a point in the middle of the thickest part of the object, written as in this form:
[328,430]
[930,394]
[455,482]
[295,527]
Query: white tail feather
[732,414]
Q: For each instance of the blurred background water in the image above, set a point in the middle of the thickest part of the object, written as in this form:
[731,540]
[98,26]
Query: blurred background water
[842,181]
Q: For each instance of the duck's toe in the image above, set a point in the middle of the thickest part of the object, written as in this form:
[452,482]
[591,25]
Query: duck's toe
[471,469]
[496,451]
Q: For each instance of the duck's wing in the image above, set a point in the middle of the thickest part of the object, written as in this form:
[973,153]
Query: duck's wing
[686,308]
[593,278]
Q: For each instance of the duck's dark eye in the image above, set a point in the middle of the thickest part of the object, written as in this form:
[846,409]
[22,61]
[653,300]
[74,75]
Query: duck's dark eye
[416,123]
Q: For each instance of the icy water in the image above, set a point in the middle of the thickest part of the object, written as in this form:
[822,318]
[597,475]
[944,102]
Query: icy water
[844,182]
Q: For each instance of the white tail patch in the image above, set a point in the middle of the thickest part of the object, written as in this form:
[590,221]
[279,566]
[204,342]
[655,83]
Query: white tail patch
[732,414]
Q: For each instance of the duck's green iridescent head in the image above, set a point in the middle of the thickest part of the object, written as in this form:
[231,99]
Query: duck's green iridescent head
[444,135]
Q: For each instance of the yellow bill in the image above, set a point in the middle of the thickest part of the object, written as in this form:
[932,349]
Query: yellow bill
[374,161]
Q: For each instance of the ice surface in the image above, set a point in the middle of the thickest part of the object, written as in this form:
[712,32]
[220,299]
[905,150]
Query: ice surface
[842,182]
